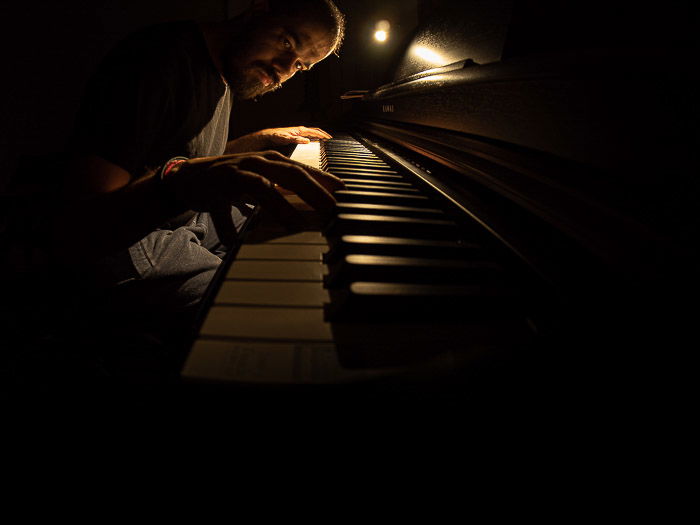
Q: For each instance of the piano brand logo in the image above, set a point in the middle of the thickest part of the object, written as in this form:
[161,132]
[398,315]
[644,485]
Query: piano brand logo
[387,108]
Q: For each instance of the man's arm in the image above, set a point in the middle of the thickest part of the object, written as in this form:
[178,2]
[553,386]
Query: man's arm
[104,209]
[110,210]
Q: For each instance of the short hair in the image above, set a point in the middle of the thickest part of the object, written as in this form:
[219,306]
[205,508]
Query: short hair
[323,10]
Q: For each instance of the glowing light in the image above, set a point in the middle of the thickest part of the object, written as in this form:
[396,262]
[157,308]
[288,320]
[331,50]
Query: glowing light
[381,31]
[429,55]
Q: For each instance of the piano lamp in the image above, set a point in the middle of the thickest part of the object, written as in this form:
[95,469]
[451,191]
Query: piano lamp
[381,31]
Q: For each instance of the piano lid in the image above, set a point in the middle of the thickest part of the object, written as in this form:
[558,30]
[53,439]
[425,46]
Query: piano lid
[456,31]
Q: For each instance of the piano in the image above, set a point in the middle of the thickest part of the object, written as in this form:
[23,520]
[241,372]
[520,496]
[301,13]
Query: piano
[511,226]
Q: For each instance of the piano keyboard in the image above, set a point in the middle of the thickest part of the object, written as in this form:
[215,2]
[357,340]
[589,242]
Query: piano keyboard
[391,286]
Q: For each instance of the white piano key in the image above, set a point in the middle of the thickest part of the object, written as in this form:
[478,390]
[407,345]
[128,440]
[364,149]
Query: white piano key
[268,363]
[267,323]
[279,251]
[309,154]
[275,234]
[277,270]
[272,293]
[307,237]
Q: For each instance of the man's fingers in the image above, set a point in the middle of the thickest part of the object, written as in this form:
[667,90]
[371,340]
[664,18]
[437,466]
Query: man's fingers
[315,133]
[325,179]
[296,179]
[263,191]
[227,177]
[288,138]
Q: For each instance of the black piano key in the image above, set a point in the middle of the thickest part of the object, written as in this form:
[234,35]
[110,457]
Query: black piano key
[375,182]
[382,197]
[386,209]
[350,153]
[380,268]
[356,163]
[387,225]
[376,187]
[399,246]
[353,156]
[360,171]
[367,176]
[345,144]
[382,302]
[367,162]
[347,147]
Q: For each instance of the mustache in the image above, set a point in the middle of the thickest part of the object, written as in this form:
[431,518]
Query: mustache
[270,72]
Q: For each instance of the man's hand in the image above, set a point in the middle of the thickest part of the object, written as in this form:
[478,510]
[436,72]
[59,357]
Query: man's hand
[210,183]
[268,138]
[294,135]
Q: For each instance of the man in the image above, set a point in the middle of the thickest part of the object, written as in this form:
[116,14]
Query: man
[151,164]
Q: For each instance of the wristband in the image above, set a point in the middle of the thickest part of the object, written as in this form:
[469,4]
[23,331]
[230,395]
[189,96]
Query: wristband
[168,166]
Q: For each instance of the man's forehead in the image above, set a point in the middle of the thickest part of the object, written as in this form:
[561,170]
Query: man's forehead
[313,38]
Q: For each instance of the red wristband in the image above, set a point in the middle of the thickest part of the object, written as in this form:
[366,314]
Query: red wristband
[168,166]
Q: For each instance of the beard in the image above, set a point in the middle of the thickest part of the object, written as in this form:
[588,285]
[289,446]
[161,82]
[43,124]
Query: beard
[243,76]
[246,83]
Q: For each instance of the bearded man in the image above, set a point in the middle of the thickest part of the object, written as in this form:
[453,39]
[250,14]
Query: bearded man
[151,162]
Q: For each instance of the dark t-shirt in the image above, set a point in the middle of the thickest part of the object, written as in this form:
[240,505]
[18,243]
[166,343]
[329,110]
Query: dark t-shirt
[155,96]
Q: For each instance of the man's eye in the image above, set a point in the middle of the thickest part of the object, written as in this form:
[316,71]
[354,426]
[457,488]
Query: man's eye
[286,43]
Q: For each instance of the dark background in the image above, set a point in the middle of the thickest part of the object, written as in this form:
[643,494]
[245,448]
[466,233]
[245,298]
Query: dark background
[49,49]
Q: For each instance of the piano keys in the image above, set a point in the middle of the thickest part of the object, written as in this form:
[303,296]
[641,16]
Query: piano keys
[393,286]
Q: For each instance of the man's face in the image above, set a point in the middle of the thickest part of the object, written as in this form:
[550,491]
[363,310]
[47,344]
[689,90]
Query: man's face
[270,52]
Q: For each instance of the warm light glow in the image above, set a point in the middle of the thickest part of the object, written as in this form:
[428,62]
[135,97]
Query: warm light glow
[429,55]
[381,31]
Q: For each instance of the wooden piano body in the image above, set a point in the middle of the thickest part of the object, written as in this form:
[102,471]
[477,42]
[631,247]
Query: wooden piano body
[509,227]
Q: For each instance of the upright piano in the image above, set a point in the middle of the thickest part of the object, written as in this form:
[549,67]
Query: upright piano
[513,224]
